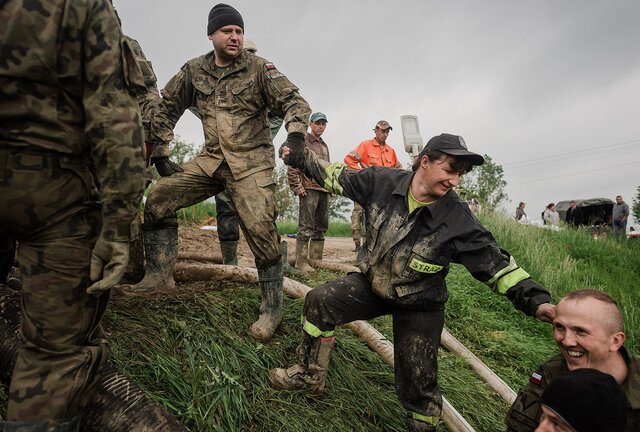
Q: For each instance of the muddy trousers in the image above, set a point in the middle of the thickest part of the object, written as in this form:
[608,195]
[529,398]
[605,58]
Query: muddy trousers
[356,221]
[46,208]
[227,218]
[313,215]
[416,333]
[252,196]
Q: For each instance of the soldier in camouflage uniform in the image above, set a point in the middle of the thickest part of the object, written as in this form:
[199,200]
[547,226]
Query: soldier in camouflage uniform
[64,101]
[416,226]
[589,331]
[232,90]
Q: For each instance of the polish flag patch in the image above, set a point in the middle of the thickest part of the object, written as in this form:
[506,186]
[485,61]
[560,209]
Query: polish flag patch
[269,66]
[535,378]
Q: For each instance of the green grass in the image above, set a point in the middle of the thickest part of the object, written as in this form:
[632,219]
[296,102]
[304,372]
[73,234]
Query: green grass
[191,351]
[336,228]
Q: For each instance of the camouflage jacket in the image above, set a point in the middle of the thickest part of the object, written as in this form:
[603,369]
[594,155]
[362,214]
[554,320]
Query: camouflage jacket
[233,103]
[65,90]
[525,412]
[406,253]
[147,94]
[299,182]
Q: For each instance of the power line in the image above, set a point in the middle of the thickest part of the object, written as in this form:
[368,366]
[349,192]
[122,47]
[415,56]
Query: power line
[572,153]
[573,174]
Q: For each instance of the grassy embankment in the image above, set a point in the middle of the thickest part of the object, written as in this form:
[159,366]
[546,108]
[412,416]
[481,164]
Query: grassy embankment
[191,352]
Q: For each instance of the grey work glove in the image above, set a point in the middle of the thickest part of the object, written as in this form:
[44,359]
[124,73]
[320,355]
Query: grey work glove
[165,166]
[108,263]
[295,144]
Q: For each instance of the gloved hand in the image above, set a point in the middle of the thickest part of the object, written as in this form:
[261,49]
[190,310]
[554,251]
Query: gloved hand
[295,144]
[108,263]
[165,166]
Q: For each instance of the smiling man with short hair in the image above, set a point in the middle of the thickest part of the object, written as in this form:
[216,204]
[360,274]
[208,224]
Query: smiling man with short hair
[589,331]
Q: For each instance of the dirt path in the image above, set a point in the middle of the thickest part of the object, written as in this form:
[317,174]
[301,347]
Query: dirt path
[194,239]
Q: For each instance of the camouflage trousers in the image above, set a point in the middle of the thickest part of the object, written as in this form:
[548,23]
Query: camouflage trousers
[417,326]
[47,205]
[252,196]
[356,221]
[227,218]
[313,215]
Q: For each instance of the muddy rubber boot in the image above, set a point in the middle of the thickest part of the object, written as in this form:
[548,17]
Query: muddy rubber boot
[311,372]
[229,252]
[271,306]
[286,267]
[135,267]
[316,249]
[161,251]
[302,256]
[357,245]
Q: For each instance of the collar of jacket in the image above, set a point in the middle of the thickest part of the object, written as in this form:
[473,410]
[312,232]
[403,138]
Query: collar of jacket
[402,188]
[239,63]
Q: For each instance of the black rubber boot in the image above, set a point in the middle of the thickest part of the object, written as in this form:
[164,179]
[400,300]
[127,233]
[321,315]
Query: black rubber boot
[229,251]
[311,371]
[286,267]
[302,256]
[270,278]
[414,425]
[161,252]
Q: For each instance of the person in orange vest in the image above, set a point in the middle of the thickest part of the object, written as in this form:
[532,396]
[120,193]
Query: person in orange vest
[372,152]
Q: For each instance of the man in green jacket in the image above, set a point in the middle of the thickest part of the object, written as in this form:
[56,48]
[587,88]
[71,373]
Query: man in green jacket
[232,91]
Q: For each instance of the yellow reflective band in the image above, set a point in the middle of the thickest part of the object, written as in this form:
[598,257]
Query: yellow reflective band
[315,331]
[511,279]
[424,267]
[431,420]
[331,182]
[512,266]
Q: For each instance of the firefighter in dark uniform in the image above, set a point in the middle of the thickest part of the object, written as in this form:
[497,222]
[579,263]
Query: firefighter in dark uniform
[416,226]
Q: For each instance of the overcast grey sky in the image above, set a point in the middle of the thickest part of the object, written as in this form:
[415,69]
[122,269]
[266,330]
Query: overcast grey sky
[549,89]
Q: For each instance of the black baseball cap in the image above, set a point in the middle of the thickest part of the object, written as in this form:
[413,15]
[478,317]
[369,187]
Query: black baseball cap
[588,400]
[453,145]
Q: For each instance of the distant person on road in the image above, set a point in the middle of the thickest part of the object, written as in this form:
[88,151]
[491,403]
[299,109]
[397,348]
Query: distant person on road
[584,400]
[619,217]
[589,331]
[550,216]
[416,226]
[574,216]
[313,214]
[520,215]
[372,152]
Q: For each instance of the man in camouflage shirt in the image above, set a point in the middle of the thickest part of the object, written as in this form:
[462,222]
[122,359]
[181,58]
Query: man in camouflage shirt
[416,226]
[589,331]
[65,102]
[232,91]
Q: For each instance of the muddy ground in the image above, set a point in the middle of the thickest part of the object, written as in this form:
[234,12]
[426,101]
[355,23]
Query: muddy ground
[194,239]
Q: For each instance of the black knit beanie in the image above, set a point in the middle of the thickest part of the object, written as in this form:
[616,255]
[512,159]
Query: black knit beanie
[589,400]
[222,15]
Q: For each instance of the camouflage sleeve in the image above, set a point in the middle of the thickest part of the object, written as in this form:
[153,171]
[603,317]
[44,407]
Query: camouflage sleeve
[275,123]
[112,124]
[283,98]
[177,97]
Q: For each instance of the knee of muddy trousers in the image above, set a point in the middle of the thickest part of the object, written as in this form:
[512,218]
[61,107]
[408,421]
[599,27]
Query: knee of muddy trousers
[67,425]
[316,249]
[302,256]
[311,371]
[161,253]
[270,278]
[284,253]
[229,251]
